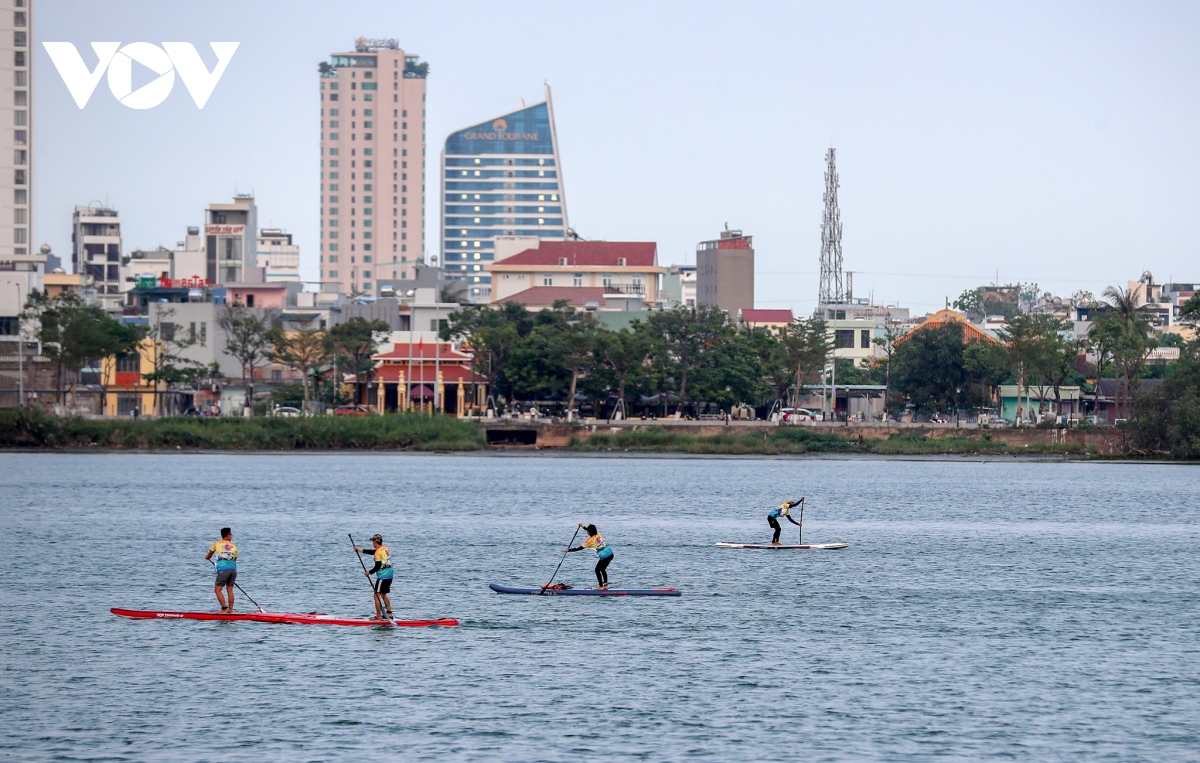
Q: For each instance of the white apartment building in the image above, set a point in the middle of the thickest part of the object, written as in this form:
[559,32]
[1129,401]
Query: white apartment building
[372,179]
[16,136]
[96,251]
[853,325]
[19,275]
[278,256]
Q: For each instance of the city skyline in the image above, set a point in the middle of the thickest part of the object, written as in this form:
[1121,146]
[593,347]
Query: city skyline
[1046,146]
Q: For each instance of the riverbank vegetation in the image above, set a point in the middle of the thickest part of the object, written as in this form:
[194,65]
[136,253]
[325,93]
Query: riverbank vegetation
[34,429]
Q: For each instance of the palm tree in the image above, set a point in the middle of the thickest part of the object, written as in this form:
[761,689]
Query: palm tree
[1021,334]
[1133,343]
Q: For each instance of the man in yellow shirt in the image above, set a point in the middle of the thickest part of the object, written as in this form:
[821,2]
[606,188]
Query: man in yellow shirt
[383,576]
[226,564]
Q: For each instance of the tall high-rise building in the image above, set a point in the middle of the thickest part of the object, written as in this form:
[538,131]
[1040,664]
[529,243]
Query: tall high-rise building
[372,165]
[500,179]
[96,251]
[725,272]
[16,134]
[230,244]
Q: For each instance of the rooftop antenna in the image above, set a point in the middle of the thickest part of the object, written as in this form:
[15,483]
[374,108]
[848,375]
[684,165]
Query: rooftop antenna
[832,291]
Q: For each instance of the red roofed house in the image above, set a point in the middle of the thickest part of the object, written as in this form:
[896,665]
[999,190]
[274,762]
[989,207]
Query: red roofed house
[617,275]
[771,319]
[435,376]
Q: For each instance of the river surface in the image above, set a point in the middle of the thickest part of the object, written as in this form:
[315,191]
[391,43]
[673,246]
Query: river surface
[985,610]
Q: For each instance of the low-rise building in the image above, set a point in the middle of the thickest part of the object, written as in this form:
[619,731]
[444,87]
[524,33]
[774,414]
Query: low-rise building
[58,282]
[278,256]
[1040,401]
[629,268]
[426,376]
[853,326]
[19,275]
[591,298]
[679,286]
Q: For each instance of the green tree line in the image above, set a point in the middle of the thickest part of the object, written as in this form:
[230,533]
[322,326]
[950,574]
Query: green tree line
[683,358]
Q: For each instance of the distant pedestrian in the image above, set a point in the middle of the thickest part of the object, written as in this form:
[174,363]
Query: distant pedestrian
[226,564]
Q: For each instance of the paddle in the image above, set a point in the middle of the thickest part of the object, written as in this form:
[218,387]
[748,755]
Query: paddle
[252,601]
[375,584]
[560,561]
[801,521]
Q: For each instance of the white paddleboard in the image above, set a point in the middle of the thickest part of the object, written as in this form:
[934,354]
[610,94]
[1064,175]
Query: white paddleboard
[816,547]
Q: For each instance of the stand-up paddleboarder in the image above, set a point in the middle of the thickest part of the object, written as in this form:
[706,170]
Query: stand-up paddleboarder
[383,576]
[604,553]
[784,510]
[226,565]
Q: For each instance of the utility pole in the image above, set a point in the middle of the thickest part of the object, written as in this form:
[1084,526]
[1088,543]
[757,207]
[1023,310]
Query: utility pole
[20,353]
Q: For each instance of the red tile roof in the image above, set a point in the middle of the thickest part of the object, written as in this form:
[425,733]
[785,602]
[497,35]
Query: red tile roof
[546,296]
[426,350]
[767,316]
[597,254]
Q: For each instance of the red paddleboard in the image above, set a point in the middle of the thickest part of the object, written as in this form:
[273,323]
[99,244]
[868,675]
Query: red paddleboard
[277,617]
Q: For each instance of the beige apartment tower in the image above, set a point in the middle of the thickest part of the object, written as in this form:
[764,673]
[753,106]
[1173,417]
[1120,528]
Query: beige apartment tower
[16,128]
[372,166]
[725,272]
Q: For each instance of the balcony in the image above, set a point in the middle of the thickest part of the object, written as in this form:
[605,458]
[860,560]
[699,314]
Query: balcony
[626,288]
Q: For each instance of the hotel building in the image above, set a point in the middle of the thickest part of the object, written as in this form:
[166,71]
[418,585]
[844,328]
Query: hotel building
[502,192]
[372,166]
[16,140]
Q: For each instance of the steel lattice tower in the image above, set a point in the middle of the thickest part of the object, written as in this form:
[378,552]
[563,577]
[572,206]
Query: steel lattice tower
[832,288]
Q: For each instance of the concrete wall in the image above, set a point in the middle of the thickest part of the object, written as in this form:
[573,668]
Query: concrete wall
[1106,441]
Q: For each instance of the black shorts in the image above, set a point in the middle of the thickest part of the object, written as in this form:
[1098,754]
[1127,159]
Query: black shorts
[225,578]
[383,586]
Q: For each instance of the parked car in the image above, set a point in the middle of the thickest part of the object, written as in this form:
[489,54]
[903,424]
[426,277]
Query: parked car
[287,412]
[798,414]
[352,410]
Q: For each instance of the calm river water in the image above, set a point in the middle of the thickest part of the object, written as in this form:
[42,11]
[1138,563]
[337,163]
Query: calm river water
[984,610]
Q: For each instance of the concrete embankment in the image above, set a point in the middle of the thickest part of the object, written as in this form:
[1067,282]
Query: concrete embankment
[519,434]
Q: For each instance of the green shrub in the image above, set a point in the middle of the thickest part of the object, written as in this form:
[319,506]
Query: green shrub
[402,431]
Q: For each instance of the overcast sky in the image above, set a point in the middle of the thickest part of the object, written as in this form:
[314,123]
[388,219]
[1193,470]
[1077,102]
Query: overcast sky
[1046,142]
